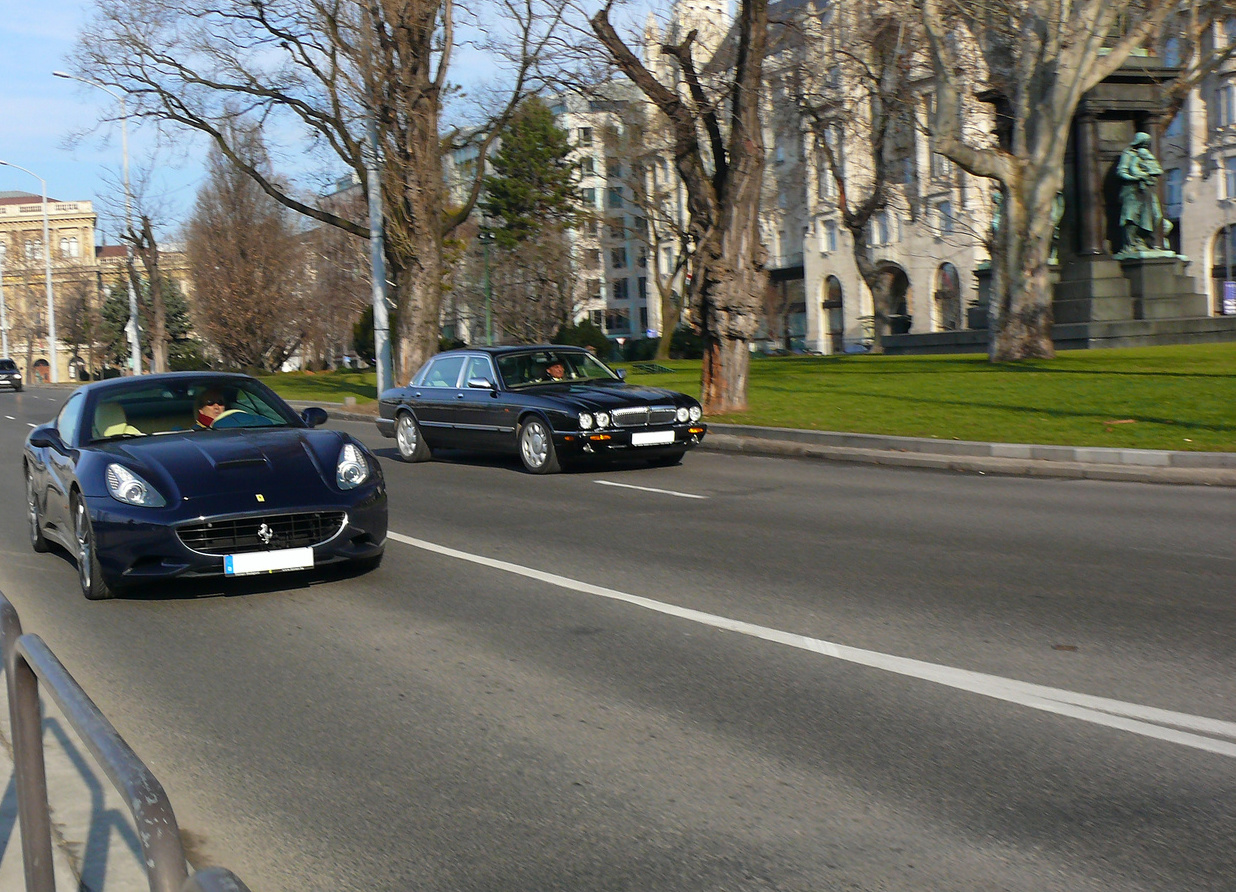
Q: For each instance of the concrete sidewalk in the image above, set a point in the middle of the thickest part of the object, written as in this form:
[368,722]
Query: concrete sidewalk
[95,847]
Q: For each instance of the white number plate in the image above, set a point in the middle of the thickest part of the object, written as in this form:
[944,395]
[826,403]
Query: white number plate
[652,438]
[268,561]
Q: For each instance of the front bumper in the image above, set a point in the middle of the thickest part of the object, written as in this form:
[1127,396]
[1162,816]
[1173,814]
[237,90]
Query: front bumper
[11,381]
[623,442]
[136,545]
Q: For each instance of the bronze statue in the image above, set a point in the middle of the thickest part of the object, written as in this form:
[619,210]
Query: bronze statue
[1140,211]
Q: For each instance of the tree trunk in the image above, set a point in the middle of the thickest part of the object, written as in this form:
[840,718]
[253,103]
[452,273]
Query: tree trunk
[670,316]
[1022,287]
[726,364]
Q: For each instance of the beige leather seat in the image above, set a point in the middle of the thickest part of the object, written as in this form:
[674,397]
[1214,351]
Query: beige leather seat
[110,421]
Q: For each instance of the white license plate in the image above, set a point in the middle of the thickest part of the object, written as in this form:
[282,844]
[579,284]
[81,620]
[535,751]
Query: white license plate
[268,561]
[652,438]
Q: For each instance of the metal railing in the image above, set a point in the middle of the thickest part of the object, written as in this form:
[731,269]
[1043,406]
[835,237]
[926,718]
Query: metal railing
[27,662]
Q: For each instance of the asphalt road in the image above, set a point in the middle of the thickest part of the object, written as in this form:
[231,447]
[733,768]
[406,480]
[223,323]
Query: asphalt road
[738,674]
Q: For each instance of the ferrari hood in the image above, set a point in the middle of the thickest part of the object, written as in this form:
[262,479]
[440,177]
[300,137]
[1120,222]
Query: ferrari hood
[236,461]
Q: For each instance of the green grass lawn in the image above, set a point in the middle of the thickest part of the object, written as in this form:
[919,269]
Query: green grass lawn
[1181,398]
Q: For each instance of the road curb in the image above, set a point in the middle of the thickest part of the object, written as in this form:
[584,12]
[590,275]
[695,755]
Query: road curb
[1008,459]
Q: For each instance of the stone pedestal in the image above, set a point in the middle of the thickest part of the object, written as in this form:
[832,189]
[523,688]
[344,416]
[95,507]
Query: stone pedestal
[1160,288]
[1092,291]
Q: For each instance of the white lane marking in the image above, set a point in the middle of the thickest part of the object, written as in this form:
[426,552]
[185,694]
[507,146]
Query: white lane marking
[10,417]
[664,492]
[28,424]
[1148,721]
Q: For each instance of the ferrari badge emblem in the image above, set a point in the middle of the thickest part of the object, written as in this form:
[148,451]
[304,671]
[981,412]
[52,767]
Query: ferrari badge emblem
[265,533]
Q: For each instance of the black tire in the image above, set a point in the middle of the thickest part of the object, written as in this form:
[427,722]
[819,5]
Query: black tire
[34,518]
[410,440]
[536,447]
[666,459]
[89,574]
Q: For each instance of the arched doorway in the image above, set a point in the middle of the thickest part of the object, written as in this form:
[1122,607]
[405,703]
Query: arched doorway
[42,371]
[948,298]
[1223,271]
[898,283]
[834,309]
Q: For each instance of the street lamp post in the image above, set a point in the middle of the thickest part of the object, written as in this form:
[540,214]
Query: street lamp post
[4,312]
[47,274]
[135,344]
[486,237]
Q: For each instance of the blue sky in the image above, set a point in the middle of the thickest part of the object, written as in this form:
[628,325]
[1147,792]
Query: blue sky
[39,112]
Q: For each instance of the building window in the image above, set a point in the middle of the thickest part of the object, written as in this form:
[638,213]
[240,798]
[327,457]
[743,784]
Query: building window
[1174,192]
[585,136]
[619,287]
[617,228]
[594,289]
[830,235]
[598,318]
[880,230]
[1225,105]
[941,167]
[613,168]
[615,196]
[592,257]
[641,285]
[643,318]
[589,197]
[618,319]
[641,257]
[587,165]
[944,217]
[1229,177]
[618,257]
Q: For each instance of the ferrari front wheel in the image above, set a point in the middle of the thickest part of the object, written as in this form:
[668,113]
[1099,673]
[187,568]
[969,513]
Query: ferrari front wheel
[34,517]
[89,574]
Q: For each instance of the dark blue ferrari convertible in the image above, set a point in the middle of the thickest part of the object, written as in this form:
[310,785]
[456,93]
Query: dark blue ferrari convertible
[191,474]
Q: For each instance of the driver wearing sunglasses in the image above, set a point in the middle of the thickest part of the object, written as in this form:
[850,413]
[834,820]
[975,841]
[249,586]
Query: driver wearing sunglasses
[210,404]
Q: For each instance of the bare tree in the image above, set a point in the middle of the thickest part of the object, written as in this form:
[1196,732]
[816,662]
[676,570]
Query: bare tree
[323,70]
[1040,57]
[719,154]
[859,112]
[248,263]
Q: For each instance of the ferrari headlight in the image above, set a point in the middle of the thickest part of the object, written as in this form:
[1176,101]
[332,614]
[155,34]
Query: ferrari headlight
[352,469]
[602,419]
[683,415]
[585,421]
[696,413]
[128,487]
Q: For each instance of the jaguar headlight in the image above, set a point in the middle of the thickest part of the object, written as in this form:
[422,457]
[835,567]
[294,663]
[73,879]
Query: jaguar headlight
[602,419]
[585,421]
[128,487]
[683,415]
[696,413]
[352,469]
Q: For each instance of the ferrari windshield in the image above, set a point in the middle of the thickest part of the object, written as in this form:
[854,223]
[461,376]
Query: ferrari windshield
[521,370]
[187,404]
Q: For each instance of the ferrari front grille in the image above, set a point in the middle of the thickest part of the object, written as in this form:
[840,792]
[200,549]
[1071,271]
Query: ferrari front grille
[244,534]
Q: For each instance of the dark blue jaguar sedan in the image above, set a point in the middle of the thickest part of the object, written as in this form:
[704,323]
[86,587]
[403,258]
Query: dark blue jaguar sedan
[548,404]
[191,474]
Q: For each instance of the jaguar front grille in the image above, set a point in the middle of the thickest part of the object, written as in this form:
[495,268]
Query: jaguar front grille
[643,416]
[245,534]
